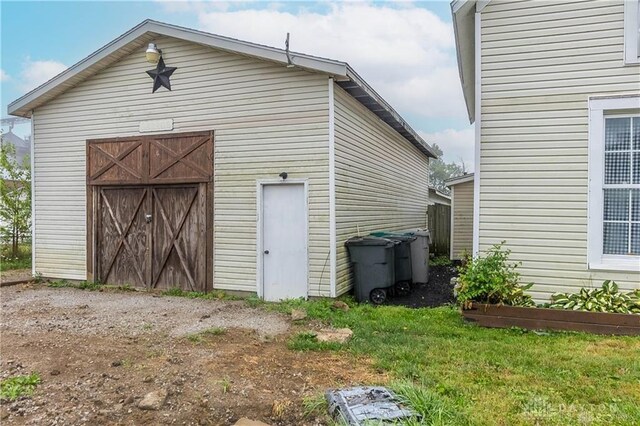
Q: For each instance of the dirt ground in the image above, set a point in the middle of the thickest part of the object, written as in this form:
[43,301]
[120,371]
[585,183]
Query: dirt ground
[100,353]
[437,292]
[15,275]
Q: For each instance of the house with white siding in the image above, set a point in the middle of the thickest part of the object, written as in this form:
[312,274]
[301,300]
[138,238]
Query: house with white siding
[554,91]
[221,164]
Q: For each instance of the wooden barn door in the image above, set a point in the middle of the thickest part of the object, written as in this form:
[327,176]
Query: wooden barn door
[150,211]
[123,237]
[178,243]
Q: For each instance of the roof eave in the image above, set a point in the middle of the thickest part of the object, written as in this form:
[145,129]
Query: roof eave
[459,179]
[341,70]
[392,118]
[462,13]
[22,106]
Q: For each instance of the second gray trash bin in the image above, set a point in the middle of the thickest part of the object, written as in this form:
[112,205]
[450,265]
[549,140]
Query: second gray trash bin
[419,254]
[373,267]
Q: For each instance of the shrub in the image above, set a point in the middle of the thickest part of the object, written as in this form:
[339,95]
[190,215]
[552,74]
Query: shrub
[491,279]
[608,298]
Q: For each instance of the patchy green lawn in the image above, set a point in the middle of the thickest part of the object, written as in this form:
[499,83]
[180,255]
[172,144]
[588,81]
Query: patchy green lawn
[458,373]
[8,261]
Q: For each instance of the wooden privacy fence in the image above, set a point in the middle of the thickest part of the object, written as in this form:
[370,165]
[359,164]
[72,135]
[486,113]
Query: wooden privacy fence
[439,217]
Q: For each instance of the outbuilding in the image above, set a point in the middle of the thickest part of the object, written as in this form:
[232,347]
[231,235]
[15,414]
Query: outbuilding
[461,216]
[224,165]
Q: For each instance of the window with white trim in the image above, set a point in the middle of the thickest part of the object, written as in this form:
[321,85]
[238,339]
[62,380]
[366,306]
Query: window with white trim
[614,183]
[632,31]
[621,187]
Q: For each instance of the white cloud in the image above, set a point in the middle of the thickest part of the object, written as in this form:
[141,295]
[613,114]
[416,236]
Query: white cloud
[456,144]
[406,53]
[34,73]
[4,76]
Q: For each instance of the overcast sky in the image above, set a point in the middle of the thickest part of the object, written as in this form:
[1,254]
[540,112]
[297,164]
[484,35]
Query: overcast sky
[405,51]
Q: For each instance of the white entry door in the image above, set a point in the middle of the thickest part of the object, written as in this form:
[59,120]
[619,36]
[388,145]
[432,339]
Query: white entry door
[284,241]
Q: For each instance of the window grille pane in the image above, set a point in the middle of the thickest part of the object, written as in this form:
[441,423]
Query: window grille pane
[635,204]
[617,134]
[636,133]
[616,204]
[636,167]
[617,167]
[635,238]
[615,238]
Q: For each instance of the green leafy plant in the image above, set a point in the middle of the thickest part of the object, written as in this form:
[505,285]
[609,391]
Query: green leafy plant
[608,298]
[13,388]
[440,261]
[491,279]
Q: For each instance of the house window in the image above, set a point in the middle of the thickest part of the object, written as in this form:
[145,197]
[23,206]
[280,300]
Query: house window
[614,183]
[621,210]
[632,31]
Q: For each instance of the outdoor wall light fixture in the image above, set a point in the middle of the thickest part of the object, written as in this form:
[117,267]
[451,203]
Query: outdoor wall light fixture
[283,176]
[153,53]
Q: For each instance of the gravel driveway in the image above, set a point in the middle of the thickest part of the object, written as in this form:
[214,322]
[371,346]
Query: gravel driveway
[128,313]
[100,354]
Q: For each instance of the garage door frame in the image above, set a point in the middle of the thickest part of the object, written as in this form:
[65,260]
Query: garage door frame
[134,161]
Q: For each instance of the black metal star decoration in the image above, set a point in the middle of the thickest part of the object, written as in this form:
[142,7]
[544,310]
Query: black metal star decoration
[161,75]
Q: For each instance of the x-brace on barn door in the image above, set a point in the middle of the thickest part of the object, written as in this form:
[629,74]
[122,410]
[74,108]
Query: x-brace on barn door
[150,211]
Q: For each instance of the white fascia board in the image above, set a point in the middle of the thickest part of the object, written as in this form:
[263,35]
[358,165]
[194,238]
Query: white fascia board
[251,49]
[18,106]
[462,14]
[23,105]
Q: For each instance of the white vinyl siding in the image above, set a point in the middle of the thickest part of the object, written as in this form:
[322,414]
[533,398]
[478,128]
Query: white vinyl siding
[267,119]
[381,179]
[462,219]
[541,61]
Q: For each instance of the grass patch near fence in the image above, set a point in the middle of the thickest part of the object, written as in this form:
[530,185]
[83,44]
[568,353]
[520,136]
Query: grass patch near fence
[440,261]
[15,387]
[21,261]
[462,374]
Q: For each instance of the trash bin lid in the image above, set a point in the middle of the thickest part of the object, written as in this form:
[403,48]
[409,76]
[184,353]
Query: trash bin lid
[394,235]
[369,241]
[418,232]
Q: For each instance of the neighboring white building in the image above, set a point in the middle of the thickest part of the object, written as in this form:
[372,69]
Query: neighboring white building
[248,175]
[461,216]
[554,90]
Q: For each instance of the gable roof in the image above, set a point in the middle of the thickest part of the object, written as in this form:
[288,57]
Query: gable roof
[148,30]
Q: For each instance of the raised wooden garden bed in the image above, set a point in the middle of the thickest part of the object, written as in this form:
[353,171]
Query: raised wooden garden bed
[502,316]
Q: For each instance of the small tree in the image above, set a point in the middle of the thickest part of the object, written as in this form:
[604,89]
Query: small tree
[440,172]
[15,196]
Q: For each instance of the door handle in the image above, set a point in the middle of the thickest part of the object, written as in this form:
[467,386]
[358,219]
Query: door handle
[148,217]
[266,252]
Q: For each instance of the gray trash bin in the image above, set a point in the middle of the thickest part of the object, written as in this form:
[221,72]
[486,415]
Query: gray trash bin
[419,254]
[373,267]
[403,259]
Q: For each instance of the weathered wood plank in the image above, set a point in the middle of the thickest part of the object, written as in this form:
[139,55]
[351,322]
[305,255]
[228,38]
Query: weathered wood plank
[502,316]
